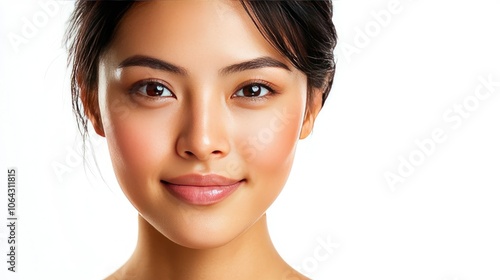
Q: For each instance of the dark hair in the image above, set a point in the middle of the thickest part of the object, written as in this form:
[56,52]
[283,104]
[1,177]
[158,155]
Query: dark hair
[300,30]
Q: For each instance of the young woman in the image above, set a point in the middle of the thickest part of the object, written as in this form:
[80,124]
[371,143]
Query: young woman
[202,104]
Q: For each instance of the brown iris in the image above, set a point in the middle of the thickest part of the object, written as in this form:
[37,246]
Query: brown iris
[153,89]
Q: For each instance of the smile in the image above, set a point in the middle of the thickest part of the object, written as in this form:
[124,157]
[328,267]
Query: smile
[201,189]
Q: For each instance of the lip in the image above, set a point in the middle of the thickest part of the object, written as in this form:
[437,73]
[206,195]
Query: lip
[199,189]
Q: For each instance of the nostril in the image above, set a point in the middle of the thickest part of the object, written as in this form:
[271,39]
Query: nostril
[201,155]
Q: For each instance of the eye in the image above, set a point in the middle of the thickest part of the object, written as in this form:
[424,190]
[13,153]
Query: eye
[253,90]
[152,89]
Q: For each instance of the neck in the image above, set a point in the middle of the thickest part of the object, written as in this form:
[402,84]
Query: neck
[249,256]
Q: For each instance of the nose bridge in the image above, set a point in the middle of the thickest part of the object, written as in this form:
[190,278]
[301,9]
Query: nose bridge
[204,133]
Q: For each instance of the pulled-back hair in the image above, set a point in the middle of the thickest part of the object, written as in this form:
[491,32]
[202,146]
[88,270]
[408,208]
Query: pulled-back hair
[302,31]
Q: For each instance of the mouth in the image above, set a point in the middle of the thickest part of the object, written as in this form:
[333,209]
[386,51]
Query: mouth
[198,189]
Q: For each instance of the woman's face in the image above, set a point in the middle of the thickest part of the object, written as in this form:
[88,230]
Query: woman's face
[189,90]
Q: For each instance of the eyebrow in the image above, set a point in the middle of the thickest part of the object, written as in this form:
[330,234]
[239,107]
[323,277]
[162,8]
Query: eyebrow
[261,62]
[155,63]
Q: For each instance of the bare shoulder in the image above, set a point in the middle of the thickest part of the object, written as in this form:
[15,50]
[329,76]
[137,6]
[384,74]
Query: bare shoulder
[114,276]
[118,275]
[292,274]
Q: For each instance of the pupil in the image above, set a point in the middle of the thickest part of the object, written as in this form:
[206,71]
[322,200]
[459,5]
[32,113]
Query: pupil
[254,90]
[154,90]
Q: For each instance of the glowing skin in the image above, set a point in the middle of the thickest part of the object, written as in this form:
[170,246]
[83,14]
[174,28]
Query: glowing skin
[195,54]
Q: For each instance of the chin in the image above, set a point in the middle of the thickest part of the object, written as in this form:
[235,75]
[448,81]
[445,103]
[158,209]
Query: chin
[202,241]
[200,234]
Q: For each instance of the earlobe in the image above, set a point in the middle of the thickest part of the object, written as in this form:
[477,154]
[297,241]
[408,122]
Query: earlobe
[97,124]
[92,113]
[312,111]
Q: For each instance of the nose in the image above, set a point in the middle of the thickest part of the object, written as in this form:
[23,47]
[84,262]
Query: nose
[204,131]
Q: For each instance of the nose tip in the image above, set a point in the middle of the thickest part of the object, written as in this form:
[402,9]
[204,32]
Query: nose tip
[203,135]
[202,149]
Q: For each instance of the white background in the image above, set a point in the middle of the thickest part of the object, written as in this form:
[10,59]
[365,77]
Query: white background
[396,78]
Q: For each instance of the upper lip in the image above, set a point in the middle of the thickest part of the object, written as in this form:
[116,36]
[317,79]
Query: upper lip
[200,180]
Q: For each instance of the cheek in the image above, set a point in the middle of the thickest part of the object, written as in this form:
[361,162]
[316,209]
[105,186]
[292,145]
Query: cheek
[138,144]
[268,152]
[269,145]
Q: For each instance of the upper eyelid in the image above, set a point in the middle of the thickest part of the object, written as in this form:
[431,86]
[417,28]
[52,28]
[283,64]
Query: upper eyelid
[270,86]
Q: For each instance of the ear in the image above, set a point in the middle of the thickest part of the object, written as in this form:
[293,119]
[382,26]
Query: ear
[91,109]
[312,110]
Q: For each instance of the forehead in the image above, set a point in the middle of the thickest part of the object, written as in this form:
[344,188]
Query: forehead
[190,32]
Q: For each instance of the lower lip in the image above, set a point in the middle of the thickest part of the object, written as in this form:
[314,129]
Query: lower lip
[201,195]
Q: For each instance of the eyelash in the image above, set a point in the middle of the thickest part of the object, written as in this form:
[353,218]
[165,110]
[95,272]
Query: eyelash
[135,88]
[261,83]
